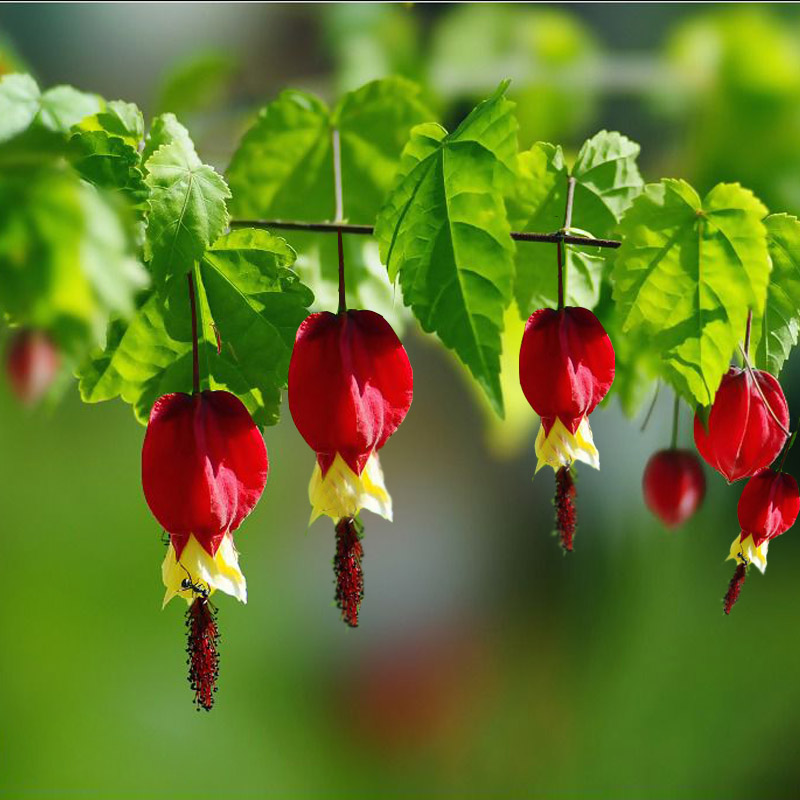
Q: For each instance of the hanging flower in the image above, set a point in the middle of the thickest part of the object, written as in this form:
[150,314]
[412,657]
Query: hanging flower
[743,436]
[350,387]
[566,367]
[674,485]
[768,507]
[32,363]
[204,467]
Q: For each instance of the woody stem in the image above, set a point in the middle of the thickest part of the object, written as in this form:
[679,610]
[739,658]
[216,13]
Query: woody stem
[560,243]
[339,212]
[369,230]
[195,346]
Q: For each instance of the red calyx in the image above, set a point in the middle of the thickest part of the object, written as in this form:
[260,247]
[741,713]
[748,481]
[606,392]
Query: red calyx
[32,363]
[742,437]
[768,505]
[566,365]
[674,485]
[204,466]
[350,385]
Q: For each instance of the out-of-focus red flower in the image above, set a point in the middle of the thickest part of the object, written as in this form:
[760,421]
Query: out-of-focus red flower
[674,485]
[32,363]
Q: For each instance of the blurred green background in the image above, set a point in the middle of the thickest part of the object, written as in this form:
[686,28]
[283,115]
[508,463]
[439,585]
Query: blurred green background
[486,664]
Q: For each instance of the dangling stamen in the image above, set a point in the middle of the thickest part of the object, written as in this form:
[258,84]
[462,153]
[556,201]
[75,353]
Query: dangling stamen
[347,568]
[735,587]
[203,661]
[566,519]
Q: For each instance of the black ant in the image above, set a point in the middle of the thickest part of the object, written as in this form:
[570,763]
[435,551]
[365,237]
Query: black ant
[743,558]
[196,588]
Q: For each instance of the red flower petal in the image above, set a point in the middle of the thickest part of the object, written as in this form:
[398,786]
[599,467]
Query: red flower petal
[566,365]
[742,436]
[32,363]
[204,466]
[350,385]
[768,506]
[673,485]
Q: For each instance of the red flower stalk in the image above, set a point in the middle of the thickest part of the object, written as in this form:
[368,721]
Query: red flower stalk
[674,485]
[768,507]
[566,367]
[204,467]
[350,387]
[32,363]
[742,436]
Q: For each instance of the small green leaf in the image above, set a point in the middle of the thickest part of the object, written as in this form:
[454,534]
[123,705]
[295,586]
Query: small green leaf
[444,231]
[686,275]
[246,295]
[110,163]
[165,129]
[187,209]
[119,119]
[776,331]
[62,107]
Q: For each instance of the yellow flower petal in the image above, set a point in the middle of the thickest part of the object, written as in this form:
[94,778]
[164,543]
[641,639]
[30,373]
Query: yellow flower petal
[757,556]
[560,448]
[220,572]
[342,493]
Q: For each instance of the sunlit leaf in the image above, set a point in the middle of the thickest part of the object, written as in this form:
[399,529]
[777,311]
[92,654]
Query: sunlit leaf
[444,231]
[686,275]
[187,209]
[776,331]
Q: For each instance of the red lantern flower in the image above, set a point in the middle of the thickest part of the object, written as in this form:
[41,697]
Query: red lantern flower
[767,508]
[674,485]
[350,387]
[204,467]
[566,367]
[32,363]
[743,437]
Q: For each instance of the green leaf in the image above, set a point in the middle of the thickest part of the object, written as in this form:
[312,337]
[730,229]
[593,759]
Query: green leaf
[606,181]
[65,262]
[110,163]
[119,119]
[247,295]
[444,231]
[283,168]
[198,83]
[22,105]
[165,129]
[19,104]
[187,209]
[686,275]
[776,331]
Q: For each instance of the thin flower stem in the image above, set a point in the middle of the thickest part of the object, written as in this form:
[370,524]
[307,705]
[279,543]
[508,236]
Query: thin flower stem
[339,213]
[787,449]
[676,413]
[195,346]
[650,410]
[369,230]
[747,331]
[560,244]
[751,371]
